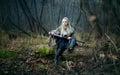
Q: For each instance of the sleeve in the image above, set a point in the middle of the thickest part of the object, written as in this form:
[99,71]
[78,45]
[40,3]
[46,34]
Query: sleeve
[72,31]
[57,30]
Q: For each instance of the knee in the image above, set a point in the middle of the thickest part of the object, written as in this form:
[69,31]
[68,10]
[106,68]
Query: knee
[73,40]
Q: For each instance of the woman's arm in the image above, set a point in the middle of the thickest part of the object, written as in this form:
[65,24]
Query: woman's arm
[71,33]
[56,31]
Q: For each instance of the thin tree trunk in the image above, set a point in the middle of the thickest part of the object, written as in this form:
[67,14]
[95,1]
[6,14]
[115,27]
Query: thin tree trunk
[36,14]
[40,22]
[60,9]
[23,6]
[80,6]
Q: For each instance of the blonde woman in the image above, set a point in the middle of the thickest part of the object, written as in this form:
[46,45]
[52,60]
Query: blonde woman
[64,30]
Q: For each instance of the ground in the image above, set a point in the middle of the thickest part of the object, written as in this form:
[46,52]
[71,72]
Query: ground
[82,61]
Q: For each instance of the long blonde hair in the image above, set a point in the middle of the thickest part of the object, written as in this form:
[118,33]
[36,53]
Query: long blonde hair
[67,28]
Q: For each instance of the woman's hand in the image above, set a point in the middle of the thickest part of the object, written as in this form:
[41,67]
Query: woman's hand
[52,32]
[69,38]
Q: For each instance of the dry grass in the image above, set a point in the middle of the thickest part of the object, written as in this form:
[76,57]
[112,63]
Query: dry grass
[19,43]
[35,43]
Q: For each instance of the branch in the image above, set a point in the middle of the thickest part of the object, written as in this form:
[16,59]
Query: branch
[112,42]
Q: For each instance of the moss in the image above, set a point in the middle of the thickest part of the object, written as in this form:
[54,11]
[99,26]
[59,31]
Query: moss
[6,54]
[44,51]
[41,66]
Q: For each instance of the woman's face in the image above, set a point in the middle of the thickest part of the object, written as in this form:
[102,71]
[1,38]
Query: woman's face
[65,23]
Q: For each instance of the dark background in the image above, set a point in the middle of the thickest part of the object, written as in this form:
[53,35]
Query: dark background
[41,16]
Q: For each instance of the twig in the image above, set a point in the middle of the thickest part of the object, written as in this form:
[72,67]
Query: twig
[112,42]
[67,64]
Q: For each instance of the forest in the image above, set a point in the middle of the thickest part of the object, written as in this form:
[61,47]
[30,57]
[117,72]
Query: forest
[24,37]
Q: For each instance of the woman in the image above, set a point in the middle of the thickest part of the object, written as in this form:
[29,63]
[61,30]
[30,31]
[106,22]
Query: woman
[64,30]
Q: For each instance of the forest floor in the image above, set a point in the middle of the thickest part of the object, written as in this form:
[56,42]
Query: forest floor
[26,59]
